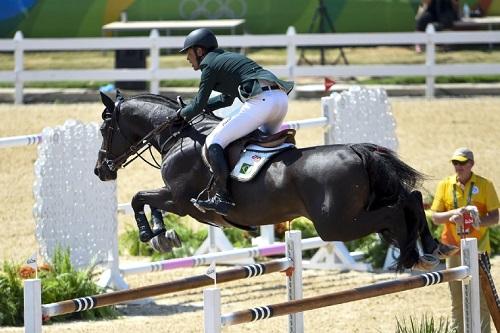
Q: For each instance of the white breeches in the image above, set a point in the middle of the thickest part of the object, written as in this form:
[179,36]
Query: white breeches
[265,111]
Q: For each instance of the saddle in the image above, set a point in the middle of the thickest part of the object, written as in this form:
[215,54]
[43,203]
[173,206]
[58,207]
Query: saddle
[247,155]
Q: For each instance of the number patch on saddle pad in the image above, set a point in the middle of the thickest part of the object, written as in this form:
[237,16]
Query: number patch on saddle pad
[253,158]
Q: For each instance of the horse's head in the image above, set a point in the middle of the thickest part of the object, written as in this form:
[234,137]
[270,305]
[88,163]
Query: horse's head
[114,143]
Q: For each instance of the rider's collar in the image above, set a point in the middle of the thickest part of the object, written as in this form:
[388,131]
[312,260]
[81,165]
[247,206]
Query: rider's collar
[207,58]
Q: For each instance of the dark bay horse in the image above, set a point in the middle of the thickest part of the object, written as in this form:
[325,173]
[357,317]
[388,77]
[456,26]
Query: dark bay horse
[347,191]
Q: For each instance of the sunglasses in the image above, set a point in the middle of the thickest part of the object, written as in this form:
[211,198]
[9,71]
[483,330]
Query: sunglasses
[459,163]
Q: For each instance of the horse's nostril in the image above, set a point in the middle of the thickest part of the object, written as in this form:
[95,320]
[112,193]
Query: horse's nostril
[96,172]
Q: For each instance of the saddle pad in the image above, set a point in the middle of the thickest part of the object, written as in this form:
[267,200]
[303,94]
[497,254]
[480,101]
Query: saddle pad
[253,158]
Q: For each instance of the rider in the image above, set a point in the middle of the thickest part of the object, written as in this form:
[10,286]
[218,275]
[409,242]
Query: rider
[264,97]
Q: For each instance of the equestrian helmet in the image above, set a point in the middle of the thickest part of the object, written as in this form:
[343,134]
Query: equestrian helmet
[200,37]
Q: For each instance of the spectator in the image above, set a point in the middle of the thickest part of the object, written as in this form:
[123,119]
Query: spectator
[453,194]
[440,13]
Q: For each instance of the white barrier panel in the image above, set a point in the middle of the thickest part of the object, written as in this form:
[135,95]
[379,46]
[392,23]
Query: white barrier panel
[361,115]
[73,208]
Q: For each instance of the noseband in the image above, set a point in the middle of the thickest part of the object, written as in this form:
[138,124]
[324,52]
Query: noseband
[113,164]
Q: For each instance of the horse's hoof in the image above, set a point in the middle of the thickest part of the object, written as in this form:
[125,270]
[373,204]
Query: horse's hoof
[426,263]
[173,237]
[444,251]
[161,244]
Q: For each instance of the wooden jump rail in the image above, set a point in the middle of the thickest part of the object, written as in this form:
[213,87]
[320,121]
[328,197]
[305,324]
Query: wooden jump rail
[34,311]
[111,298]
[468,273]
[373,290]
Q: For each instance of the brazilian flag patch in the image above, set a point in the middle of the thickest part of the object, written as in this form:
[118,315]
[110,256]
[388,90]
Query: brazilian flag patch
[245,168]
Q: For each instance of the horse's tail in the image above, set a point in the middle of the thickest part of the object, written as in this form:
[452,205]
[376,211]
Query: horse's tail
[391,180]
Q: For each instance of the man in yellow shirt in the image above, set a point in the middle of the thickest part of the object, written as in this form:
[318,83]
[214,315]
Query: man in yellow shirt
[453,194]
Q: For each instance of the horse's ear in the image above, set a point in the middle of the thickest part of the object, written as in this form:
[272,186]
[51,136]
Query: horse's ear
[108,102]
[119,96]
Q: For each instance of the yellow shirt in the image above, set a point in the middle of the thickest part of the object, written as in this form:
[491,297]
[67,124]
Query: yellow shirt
[482,195]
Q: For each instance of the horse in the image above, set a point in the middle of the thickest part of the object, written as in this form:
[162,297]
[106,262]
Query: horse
[348,191]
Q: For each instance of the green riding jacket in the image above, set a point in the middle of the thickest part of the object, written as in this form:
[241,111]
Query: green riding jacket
[225,72]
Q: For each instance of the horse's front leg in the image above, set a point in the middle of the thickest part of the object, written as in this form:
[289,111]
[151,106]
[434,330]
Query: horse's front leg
[160,239]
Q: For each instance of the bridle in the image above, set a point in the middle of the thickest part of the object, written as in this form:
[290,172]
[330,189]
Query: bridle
[114,163]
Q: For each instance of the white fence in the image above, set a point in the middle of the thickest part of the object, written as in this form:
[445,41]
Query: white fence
[154,43]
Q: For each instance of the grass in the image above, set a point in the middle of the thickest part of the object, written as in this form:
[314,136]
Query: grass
[265,57]
[427,324]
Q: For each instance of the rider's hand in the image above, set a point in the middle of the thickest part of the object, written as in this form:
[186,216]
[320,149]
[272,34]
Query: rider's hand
[178,115]
[458,219]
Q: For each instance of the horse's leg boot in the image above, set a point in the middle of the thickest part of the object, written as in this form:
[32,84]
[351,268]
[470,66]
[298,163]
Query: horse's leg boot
[221,202]
[145,232]
[157,220]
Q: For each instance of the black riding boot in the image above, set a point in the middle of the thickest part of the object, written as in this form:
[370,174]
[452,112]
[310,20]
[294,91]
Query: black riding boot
[221,202]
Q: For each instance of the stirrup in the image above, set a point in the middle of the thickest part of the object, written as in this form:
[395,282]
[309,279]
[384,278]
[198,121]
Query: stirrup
[217,203]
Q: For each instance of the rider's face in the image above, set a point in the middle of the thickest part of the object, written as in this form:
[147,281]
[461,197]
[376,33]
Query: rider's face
[192,57]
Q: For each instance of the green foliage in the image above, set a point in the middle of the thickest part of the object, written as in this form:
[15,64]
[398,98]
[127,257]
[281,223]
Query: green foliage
[191,240]
[307,230]
[63,282]
[373,247]
[179,83]
[427,324]
[495,240]
[238,237]
[60,281]
[11,301]
[305,226]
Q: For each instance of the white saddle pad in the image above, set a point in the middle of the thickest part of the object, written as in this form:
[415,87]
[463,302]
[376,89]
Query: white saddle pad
[253,158]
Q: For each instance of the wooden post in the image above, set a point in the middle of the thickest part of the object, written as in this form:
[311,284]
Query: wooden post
[211,310]
[32,306]
[291,57]
[430,61]
[18,67]
[155,62]
[294,281]
[470,286]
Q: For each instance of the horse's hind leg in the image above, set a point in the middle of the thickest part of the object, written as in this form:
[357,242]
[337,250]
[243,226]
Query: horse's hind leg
[397,231]
[414,206]
[161,239]
[430,245]
[389,221]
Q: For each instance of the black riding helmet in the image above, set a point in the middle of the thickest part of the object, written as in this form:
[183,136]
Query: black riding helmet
[200,37]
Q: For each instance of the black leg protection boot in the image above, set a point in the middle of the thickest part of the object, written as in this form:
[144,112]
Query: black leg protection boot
[221,202]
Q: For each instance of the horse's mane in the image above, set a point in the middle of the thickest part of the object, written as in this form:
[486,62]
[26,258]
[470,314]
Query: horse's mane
[169,102]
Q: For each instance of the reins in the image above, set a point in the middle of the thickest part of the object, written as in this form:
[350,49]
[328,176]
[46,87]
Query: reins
[142,145]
